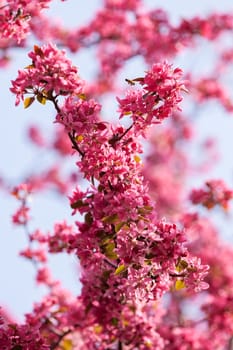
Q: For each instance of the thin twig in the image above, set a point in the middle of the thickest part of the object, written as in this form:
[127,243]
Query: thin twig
[116,138]
[120,345]
[60,337]
[71,137]
[75,146]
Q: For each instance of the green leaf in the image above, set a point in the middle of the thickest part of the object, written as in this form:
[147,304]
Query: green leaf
[109,251]
[38,51]
[78,204]
[180,284]
[88,218]
[28,101]
[119,226]
[114,321]
[98,329]
[120,269]
[82,96]
[137,158]
[40,98]
[67,344]
[182,265]
[30,66]
[110,219]
[130,82]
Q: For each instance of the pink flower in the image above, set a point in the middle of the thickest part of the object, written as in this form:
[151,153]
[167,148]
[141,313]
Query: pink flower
[49,75]
[62,239]
[214,193]
[16,16]
[160,96]
[36,136]
[16,336]
[21,216]
[37,255]
[79,115]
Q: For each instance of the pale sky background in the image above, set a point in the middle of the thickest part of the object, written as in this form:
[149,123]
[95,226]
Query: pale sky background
[17,286]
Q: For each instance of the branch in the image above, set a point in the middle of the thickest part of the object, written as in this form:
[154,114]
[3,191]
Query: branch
[120,345]
[115,138]
[60,337]
[71,137]
[75,146]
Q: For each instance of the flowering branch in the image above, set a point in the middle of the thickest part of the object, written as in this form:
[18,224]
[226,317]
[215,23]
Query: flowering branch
[120,228]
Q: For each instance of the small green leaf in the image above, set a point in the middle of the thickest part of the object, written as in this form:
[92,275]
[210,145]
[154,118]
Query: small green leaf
[148,261]
[109,251]
[180,284]
[78,204]
[130,82]
[67,344]
[79,138]
[82,96]
[40,98]
[98,329]
[120,269]
[148,207]
[28,101]
[114,321]
[137,158]
[119,226]
[30,66]
[38,51]
[110,219]
[88,218]
[182,265]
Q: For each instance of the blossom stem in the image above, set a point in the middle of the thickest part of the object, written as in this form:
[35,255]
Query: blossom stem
[116,138]
[110,263]
[75,146]
[71,137]
[120,345]
[61,336]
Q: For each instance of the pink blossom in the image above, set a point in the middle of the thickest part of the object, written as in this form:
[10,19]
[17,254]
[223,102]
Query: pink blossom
[37,255]
[16,16]
[129,258]
[21,216]
[214,193]
[36,136]
[22,337]
[79,115]
[62,239]
[160,96]
[50,74]
[211,88]
[122,5]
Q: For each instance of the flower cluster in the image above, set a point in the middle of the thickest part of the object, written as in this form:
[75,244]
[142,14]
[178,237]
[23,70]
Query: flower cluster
[62,239]
[211,88]
[160,96]
[215,306]
[13,336]
[15,17]
[140,29]
[214,193]
[22,193]
[49,75]
[122,5]
[130,255]
[126,254]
